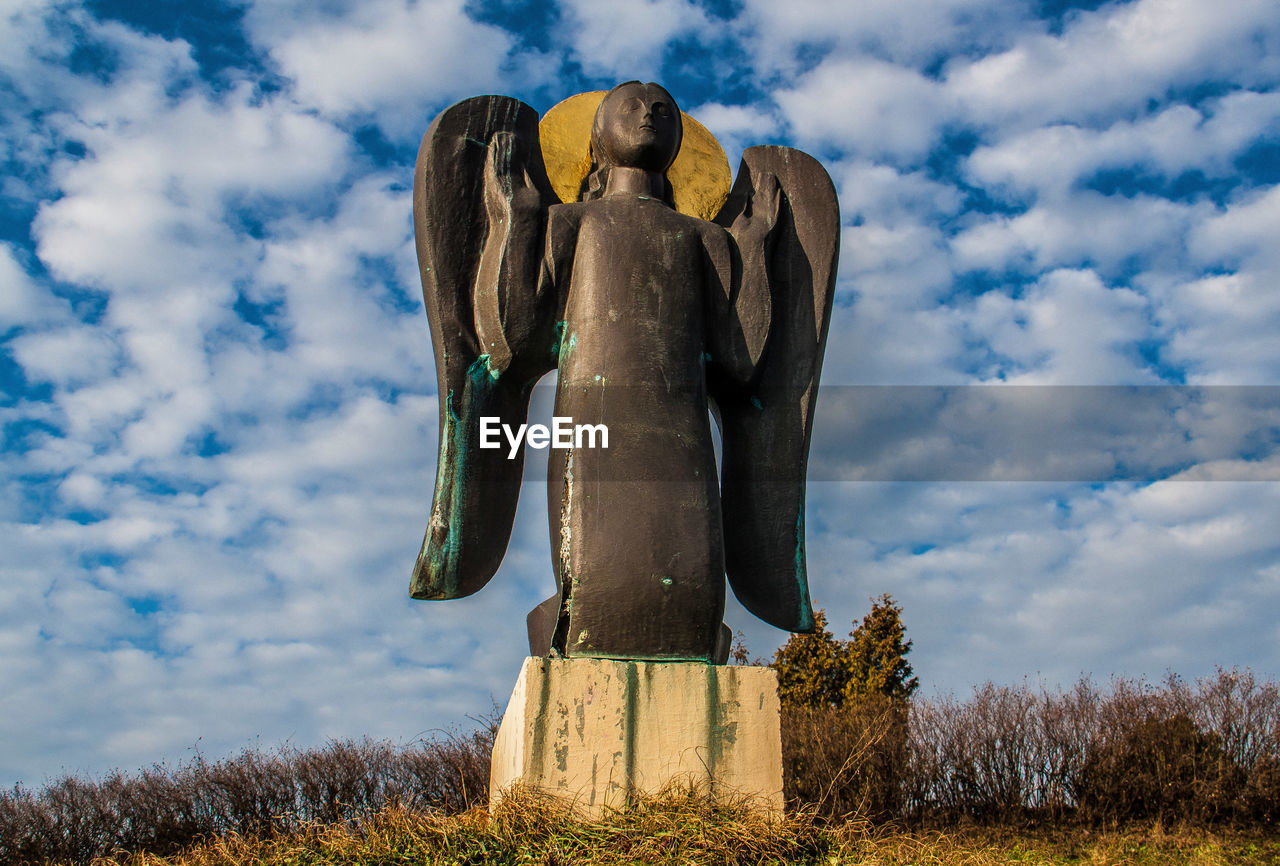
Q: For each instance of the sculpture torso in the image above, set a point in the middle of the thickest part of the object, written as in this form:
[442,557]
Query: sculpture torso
[633,356]
[637,284]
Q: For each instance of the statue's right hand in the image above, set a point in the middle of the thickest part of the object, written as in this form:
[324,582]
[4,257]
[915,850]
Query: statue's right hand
[507,186]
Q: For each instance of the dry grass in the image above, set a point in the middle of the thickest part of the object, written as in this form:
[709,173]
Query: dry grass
[687,830]
[1056,846]
[680,828]
[1090,759]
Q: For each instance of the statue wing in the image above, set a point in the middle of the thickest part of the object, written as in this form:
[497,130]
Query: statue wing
[480,197]
[766,426]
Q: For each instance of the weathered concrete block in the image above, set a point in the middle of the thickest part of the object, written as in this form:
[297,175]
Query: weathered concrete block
[597,732]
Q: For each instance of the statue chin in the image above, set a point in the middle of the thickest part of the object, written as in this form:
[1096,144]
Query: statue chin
[648,156]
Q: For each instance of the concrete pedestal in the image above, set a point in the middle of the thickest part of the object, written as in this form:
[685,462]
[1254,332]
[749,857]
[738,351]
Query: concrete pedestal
[598,732]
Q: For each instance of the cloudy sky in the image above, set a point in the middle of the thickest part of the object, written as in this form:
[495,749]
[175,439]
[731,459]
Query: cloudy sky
[1055,375]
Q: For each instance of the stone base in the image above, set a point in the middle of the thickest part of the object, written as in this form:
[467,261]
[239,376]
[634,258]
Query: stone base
[599,732]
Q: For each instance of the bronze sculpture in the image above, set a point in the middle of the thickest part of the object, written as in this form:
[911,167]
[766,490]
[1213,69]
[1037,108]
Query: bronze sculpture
[650,317]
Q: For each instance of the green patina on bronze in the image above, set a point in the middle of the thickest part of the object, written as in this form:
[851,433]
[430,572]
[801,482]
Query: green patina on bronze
[802,572]
[567,347]
[437,572]
[629,729]
[715,730]
[487,364]
[539,745]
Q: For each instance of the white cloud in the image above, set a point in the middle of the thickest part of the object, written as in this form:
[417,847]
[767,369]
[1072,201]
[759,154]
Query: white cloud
[734,120]
[1109,232]
[1067,329]
[394,60]
[22,19]
[148,216]
[23,301]
[886,340]
[81,488]
[1036,431]
[866,107]
[1243,234]
[1077,580]
[878,247]
[894,265]
[1112,61]
[736,127]
[68,356]
[314,266]
[1049,159]
[1221,325]
[145,208]
[625,39]
[1221,328]
[874,192]
[911,32]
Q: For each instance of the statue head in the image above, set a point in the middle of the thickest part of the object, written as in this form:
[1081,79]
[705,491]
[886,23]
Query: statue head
[636,126]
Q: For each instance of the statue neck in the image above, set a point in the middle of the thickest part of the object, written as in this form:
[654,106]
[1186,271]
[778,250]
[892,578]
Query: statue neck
[629,180]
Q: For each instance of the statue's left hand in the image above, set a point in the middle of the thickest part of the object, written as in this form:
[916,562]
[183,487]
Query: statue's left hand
[756,222]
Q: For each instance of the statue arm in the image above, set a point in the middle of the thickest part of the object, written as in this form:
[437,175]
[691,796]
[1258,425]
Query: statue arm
[741,293]
[509,297]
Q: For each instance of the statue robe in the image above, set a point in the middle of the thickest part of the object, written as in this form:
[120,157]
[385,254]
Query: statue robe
[649,298]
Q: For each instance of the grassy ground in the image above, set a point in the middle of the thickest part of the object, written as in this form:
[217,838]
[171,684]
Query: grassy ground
[691,832]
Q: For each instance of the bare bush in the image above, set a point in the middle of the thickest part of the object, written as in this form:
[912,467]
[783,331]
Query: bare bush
[1204,753]
[1163,768]
[1069,723]
[450,777]
[1207,753]
[253,794]
[983,758]
[846,760]
[1259,803]
[1243,713]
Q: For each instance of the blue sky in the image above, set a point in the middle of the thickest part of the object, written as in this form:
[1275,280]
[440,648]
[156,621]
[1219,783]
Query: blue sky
[218,410]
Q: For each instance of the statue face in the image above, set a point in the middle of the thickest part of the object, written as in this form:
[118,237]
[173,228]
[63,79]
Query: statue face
[639,126]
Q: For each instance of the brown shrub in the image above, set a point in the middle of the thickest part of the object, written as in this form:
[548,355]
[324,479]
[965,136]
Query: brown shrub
[253,794]
[983,758]
[848,760]
[1162,768]
[1014,753]
[1259,804]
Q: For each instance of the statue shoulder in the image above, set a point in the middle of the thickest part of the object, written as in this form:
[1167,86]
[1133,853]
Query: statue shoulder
[564,220]
[714,236]
[567,212]
[690,226]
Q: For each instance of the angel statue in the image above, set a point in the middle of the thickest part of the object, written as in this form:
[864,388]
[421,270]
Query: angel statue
[651,311]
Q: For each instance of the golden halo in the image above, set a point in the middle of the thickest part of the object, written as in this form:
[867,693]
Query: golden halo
[699,177]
